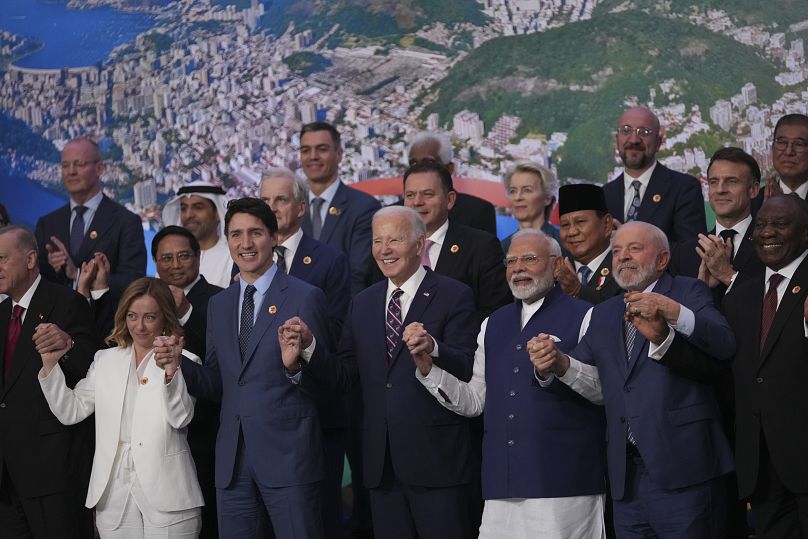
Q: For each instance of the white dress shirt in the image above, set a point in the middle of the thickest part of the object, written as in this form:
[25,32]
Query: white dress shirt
[594,264]
[801,191]
[741,228]
[327,195]
[643,178]
[291,244]
[437,238]
[92,207]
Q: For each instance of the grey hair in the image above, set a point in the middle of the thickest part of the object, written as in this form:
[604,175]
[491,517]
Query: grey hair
[445,150]
[86,138]
[553,248]
[657,235]
[25,237]
[417,226]
[300,192]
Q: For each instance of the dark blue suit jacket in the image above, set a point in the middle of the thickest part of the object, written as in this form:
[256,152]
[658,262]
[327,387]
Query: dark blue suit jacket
[277,418]
[114,231]
[675,421]
[673,202]
[428,444]
[347,228]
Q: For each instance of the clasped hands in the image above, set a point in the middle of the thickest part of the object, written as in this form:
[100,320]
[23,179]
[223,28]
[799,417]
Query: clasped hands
[51,343]
[168,354]
[294,336]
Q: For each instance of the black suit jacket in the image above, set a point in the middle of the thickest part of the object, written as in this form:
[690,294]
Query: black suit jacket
[673,202]
[601,285]
[197,323]
[770,395]
[475,212]
[114,231]
[41,455]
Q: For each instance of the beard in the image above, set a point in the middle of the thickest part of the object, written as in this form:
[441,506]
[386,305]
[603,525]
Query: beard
[537,287]
[633,164]
[642,276]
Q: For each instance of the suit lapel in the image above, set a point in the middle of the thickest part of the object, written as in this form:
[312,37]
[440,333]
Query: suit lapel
[425,294]
[269,314]
[306,249]
[99,226]
[616,198]
[451,253]
[792,299]
[638,352]
[655,193]
[339,204]
[38,312]
[746,250]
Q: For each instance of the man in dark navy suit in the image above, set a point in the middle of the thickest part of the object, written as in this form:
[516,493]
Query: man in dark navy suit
[338,215]
[647,190]
[327,269]
[666,450]
[417,458]
[89,224]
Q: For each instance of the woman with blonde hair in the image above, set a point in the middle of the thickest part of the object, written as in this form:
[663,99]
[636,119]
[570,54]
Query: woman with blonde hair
[532,191]
[143,481]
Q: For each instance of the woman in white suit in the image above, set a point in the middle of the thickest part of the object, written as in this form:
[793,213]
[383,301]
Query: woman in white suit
[143,481]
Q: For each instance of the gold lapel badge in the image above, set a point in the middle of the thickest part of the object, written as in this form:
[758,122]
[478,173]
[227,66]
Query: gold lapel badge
[144,381]
[333,210]
[656,198]
[454,248]
[604,272]
[307,260]
[272,309]
[796,289]
[93,234]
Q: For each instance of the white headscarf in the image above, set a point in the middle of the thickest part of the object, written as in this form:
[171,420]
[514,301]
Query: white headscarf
[214,193]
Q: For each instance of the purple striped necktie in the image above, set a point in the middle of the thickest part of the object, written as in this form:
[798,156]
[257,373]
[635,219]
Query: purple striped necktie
[393,324]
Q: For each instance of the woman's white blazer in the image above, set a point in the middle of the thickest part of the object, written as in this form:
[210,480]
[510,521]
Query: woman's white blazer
[160,452]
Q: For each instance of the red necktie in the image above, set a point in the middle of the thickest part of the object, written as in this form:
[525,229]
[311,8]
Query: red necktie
[769,308]
[14,329]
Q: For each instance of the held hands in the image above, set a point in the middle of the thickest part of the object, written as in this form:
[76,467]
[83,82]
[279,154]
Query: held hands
[546,357]
[59,258]
[420,344]
[564,272]
[51,344]
[168,354]
[294,336]
[715,255]
[651,313]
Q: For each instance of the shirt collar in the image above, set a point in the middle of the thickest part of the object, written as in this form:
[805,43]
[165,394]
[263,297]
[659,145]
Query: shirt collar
[788,270]
[410,286]
[529,309]
[740,227]
[327,194]
[801,191]
[91,204]
[25,300]
[292,242]
[595,262]
[193,283]
[262,283]
[643,178]
[439,236]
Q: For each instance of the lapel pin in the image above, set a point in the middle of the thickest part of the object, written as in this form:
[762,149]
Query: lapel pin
[601,280]
[796,289]
[426,294]
[454,248]
[307,260]
[604,272]
[333,210]
[144,381]
[93,234]
[272,309]
[656,198]
[41,316]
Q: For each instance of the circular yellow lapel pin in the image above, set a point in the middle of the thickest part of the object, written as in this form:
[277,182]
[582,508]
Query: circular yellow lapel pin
[93,234]
[307,260]
[144,381]
[454,248]
[272,309]
[604,272]
[796,289]
[656,198]
[333,210]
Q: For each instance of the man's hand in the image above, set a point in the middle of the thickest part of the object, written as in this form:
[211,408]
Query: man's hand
[180,301]
[294,336]
[86,277]
[706,277]
[716,253]
[59,258]
[51,344]
[650,305]
[420,344]
[772,188]
[546,357]
[101,280]
[168,353]
[651,324]
[564,272]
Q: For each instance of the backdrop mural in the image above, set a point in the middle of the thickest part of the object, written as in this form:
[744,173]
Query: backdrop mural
[217,89]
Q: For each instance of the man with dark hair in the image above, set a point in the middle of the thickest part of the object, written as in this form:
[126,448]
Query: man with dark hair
[89,224]
[586,230]
[44,465]
[768,314]
[468,210]
[269,446]
[647,190]
[339,216]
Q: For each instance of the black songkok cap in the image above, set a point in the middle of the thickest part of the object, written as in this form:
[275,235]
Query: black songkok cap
[581,196]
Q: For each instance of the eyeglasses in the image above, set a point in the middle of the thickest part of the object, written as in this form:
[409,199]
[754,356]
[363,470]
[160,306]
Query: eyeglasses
[799,145]
[183,257]
[642,132]
[77,164]
[528,260]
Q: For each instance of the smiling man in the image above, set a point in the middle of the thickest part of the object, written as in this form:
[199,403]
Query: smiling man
[647,190]
[768,314]
[269,447]
[90,223]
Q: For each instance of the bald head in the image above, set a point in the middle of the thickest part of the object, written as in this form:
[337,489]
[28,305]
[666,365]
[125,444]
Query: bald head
[638,138]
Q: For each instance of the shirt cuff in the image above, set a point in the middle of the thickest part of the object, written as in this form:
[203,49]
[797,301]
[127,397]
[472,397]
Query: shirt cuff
[543,382]
[98,294]
[306,354]
[686,323]
[187,316]
[434,352]
[658,352]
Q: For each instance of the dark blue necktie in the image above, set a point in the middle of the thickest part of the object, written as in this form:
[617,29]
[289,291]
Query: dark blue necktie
[634,209]
[585,272]
[247,315]
[77,233]
[631,334]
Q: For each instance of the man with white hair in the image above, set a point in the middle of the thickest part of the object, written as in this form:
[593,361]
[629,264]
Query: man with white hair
[200,207]
[528,418]
[666,450]
[468,210]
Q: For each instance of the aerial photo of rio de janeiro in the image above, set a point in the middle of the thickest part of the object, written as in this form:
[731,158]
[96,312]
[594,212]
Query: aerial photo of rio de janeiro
[217,90]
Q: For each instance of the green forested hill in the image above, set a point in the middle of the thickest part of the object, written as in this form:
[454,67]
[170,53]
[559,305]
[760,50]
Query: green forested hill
[610,57]
[743,12]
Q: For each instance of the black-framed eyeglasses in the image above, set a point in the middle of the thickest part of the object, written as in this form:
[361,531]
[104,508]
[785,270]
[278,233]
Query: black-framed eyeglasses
[183,257]
[642,132]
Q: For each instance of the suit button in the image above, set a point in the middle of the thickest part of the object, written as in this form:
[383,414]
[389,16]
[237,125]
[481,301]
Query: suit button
[388,385]
[2,404]
[518,346]
[512,393]
[759,380]
[511,443]
[622,419]
[627,389]
[241,382]
[510,416]
[515,370]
